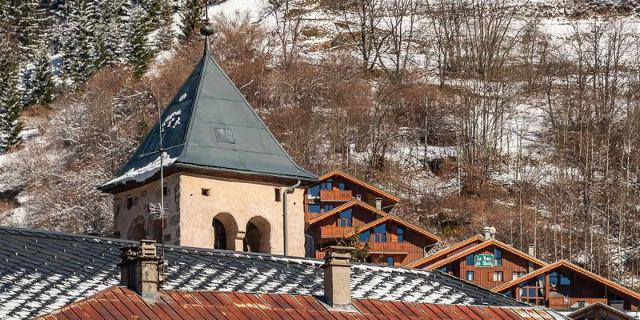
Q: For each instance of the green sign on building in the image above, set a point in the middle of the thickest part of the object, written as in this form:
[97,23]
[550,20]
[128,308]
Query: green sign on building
[484,260]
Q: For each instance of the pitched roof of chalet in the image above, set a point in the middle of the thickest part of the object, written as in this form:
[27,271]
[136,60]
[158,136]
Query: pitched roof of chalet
[481,246]
[345,206]
[361,183]
[428,259]
[41,271]
[397,220]
[611,312]
[122,303]
[566,264]
[209,125]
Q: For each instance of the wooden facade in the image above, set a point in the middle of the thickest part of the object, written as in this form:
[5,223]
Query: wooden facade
[446,253]
[336,188]
[488,264]
[341,206]
[565,286]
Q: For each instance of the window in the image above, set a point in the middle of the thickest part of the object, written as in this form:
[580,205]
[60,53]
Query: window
[380,233]
[277,194]
[205,192]
[328,207]
[400,234]
[314,191]
[327,185]
[341,186]
[129,203]
[165,191]
[224,135]
[469,276]
[497,253]
[516,275]
[364,236]
[314,208]
[470,260]
[345,218]
[390,261]
[556,278]
[498,276]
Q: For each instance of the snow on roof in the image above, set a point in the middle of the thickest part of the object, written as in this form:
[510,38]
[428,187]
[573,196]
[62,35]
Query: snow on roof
[41,271]
[145,172]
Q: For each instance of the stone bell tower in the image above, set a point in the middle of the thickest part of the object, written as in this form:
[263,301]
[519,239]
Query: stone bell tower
[225,175]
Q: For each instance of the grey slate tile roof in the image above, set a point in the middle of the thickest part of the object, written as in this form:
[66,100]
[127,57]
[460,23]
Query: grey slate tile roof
[209,124]
[41,271]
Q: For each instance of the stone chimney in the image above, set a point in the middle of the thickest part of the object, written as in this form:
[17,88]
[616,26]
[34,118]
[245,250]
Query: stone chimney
[489,233]
[337,277]
[532,249]
[379,203]
[139,269]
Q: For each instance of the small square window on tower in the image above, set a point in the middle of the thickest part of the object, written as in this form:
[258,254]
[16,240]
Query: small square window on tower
[206,192]
[277,193]
[129,203]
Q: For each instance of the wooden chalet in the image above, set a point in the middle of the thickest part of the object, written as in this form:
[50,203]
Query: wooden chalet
[341,206]
[446,252]
[600,311]
[565,286]
[489,263]
[336,188]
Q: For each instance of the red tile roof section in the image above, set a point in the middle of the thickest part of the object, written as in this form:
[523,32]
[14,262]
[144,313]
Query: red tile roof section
[122,303]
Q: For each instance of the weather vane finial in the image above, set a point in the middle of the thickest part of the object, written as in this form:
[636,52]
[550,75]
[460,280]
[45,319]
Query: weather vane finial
[207,28]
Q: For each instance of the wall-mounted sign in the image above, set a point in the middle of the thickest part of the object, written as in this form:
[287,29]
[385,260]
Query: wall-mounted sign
[484,260]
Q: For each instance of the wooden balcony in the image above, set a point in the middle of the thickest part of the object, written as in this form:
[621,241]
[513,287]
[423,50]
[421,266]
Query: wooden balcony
[390,247]
[335,195]
[330,232]
[560,303]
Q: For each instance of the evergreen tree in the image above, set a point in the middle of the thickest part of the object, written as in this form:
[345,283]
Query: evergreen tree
[80,47]
[10,124]
[191,12]
[109,29]
[141,51]
[43,85]
[165,32]
[26,26]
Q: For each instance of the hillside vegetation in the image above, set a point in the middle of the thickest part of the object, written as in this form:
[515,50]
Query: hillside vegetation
[520,115]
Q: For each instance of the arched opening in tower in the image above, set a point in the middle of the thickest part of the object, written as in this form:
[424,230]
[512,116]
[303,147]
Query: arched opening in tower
[257,237]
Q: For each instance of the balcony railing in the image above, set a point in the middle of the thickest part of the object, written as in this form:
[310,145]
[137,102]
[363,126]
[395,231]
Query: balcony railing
[335,195]
[395,247]
[562,303]
[335,232]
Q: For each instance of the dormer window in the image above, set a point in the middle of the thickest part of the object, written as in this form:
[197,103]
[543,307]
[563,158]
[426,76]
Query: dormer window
[224,135]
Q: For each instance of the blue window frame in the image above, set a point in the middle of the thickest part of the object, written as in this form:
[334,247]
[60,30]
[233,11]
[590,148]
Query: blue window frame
[364,236]
[328,207]
[380,233]
[345,218]
[556,278]
[497,253]
[327,185]
[470,260]
[341,186]
[314,190]
[400,234]
[314,208]
[390,261]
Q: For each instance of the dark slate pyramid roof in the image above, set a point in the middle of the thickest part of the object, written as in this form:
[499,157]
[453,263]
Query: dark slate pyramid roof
[209,124]
[41,271]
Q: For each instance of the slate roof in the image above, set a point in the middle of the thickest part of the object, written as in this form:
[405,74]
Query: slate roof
[41,271]
[209,124]
[122,303]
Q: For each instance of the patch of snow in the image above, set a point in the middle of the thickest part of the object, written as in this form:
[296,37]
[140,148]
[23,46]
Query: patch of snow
[144,173]
[28,133]
[173,120]
[182,97]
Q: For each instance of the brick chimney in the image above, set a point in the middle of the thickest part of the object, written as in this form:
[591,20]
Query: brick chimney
[139,269]
[337,277]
